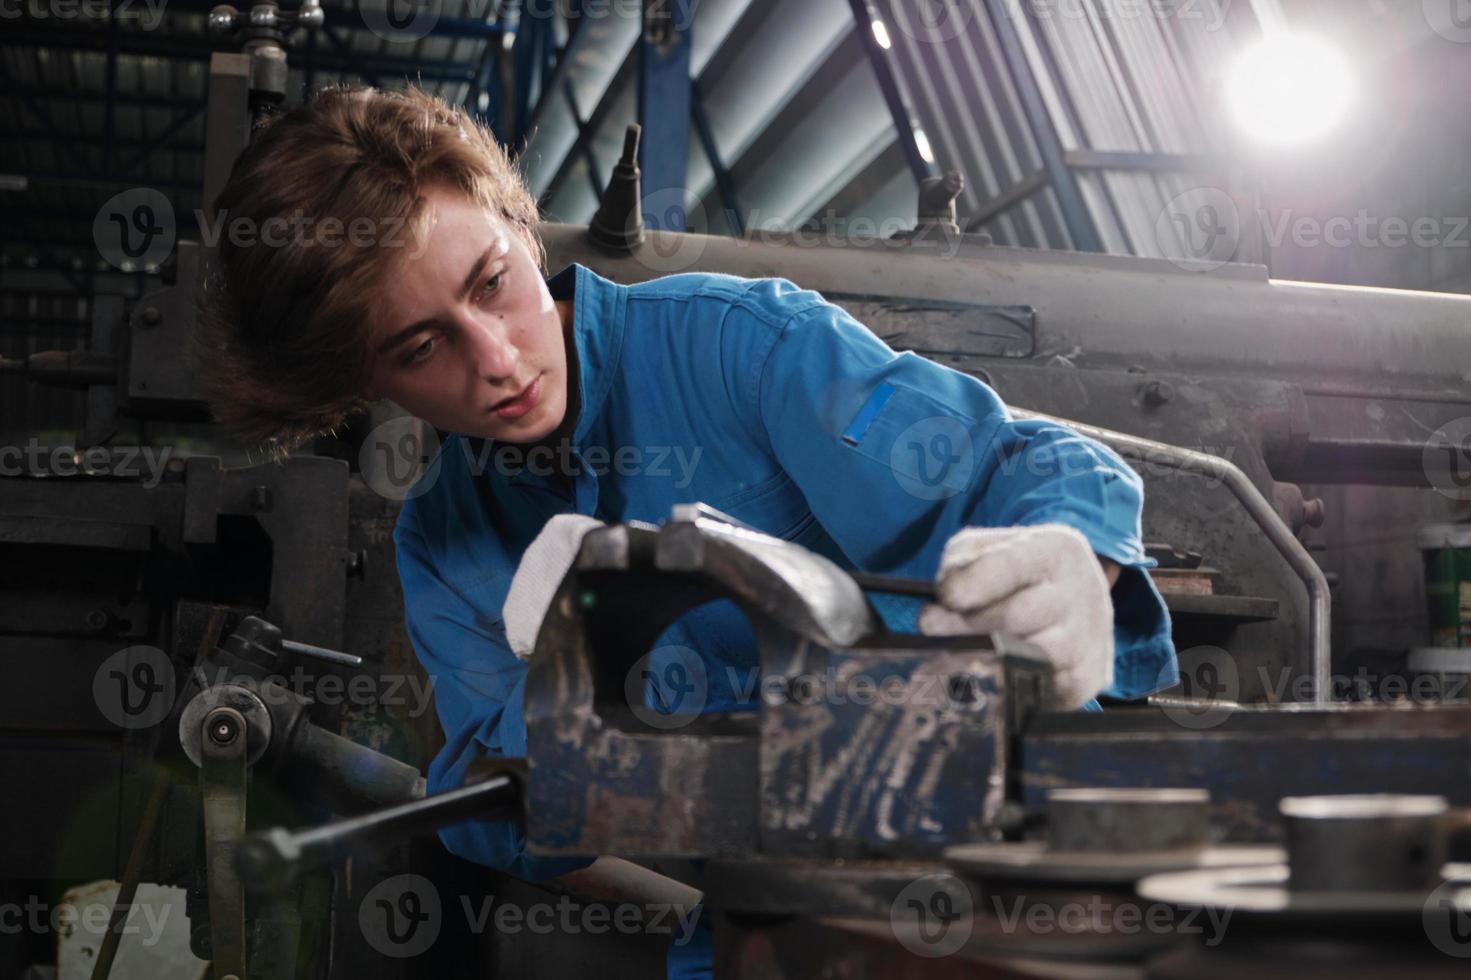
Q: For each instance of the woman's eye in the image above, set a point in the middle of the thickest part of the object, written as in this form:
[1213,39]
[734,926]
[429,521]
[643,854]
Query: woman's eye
[492,284]
[421,352]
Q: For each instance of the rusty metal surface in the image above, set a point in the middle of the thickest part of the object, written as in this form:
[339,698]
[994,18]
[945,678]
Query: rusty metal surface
[1250,757]
[810,775]
[920,765]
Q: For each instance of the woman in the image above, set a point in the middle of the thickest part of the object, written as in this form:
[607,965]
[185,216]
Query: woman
[759,397]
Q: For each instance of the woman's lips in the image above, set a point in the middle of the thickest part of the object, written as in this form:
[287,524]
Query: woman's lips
[514,408]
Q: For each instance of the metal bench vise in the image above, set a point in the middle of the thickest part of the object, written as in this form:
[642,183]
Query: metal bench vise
[865,743]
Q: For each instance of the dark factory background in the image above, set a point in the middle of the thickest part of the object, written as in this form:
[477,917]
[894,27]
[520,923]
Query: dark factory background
[1072,132]
[1100,131]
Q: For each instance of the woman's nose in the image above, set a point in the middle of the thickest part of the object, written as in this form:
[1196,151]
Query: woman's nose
[494,356]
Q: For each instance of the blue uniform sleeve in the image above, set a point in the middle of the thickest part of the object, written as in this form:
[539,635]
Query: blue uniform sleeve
[895,453]
[478,686]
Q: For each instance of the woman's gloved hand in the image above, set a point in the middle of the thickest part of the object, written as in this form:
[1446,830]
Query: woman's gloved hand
[1041,584]
[544,564]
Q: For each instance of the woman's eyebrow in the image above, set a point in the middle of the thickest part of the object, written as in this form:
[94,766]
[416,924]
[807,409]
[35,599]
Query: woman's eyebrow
[494,248]
[497,248]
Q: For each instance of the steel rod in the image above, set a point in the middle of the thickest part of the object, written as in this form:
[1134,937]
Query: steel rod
[1320,610]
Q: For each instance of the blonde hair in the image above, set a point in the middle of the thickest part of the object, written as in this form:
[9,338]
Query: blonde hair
[282,349]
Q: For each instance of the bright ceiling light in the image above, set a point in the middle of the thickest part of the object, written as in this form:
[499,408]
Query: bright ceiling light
[881,34]
[922,143]
[1290,89]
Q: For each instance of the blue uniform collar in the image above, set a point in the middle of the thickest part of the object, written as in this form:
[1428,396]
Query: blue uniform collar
[598,307]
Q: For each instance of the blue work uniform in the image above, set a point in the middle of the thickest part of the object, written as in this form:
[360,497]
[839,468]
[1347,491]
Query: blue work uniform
[771,404]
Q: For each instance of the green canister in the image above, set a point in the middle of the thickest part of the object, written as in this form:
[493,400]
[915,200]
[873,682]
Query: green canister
[1447,551]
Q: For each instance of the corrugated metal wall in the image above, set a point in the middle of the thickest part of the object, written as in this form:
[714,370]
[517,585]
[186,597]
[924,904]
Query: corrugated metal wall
[1116,76]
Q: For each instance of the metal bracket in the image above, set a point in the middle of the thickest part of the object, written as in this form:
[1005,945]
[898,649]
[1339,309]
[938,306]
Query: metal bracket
[222,783]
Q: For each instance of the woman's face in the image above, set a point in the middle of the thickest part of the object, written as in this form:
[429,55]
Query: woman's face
[466,336]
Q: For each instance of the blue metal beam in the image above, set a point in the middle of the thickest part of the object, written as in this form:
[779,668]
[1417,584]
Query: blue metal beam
[664,100]
[1075,213]
[577,33]
[486,88]
[549,52]
[45,34]
[584,140]
[344,18]
[723,182]
[889,86]
[526,55]
[586,130]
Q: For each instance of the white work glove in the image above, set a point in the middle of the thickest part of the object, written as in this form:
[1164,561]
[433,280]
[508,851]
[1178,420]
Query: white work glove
[545,563]
[1041,584]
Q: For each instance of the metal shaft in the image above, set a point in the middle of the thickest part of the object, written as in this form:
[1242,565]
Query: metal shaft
[273,858]
[322,653]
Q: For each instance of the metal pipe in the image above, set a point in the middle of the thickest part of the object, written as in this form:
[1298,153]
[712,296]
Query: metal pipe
[132,873]
[322,653]
[273,858]
[1109,312]
[1260,510]
[348,774]
[270,861]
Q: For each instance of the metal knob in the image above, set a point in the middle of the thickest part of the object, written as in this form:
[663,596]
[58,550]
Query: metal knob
[310,14]
[265,15]
[223,19]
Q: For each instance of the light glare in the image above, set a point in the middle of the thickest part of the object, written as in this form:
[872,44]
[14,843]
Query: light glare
[922,142]
[1289,89]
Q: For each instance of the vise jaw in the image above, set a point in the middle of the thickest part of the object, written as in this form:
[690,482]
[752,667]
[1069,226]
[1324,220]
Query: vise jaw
[863,743]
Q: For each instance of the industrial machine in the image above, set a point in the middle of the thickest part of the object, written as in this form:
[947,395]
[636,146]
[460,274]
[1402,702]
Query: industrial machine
[861,840]
[904,828]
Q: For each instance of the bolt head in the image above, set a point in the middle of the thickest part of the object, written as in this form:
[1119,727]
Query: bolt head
[1157,392]
[222,731]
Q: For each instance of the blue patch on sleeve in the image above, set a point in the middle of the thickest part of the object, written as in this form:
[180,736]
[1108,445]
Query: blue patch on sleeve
[870,410]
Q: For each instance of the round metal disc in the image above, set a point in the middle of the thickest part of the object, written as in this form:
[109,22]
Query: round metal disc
[257,720]
[1032,861]
[1264,890]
